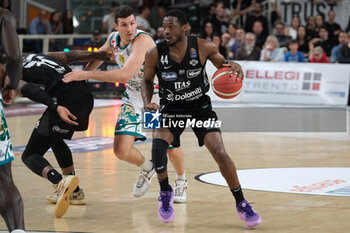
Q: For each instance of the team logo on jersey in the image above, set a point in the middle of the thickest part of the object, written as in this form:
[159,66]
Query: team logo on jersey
[181,72]
[193,73]
[193,53]
[128,52]
[122,59]
[169,95]
[193,62]
[169,76]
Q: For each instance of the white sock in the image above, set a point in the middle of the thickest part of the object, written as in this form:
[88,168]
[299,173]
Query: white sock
[18,231]
[181,177]
[147,165]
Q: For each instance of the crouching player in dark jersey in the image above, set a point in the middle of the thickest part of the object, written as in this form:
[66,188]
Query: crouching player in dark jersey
[68,108]
[179,62]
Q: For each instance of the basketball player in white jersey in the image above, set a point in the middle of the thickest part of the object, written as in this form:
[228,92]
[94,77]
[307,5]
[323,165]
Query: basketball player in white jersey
[129,46]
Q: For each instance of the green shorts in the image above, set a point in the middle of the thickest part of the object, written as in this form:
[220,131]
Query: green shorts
[6,153]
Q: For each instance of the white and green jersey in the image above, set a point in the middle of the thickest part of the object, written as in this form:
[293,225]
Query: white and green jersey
[132,94]
[6,153]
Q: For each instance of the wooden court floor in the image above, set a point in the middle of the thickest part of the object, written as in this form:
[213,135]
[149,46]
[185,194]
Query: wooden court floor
[108,184]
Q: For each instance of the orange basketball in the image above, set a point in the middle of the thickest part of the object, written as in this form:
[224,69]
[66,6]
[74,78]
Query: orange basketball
[225,84]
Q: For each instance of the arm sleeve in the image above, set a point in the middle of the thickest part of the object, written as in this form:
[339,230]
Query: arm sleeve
[37,94]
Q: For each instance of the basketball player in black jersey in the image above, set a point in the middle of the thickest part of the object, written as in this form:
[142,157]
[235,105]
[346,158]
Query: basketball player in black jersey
[11,204]
[179,62]
[69,106]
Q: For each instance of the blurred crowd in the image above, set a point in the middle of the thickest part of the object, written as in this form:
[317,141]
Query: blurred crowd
[321,39]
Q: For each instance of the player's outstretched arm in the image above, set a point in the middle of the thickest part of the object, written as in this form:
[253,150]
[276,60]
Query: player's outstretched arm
[217,59]
[10,44]
[139,48]
[150,68]
[80,55]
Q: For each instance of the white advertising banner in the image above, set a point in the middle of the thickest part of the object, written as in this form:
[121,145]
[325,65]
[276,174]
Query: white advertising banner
[291,83]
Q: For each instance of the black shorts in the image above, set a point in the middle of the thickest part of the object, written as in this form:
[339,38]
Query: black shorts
[77,98]
[197,115]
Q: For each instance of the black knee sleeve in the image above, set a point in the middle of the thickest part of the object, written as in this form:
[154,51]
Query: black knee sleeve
[34,162]
[159,157]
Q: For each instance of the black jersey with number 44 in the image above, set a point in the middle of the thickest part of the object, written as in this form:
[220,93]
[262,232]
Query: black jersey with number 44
[184,81]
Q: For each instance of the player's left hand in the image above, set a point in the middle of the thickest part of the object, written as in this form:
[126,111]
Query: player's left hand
[8,95]
[236,68]
[75,75]
[66,115]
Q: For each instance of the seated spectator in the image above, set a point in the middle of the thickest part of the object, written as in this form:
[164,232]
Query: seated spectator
[294,55]
[159,35]
[311,28]
[6,4]
[333,27]
[67,20]
[302,41]
[283,39]
[292,31]
[271,51]
[232,32]
[108,20]
[344,53]
[343,40]
[319,56]
[57,29]
[96,41]
[259,35]
[39,25]
[319,22]
[217,41]
[225,39]
[324,41]
[240,36]
[142,22]
[248,52]
[210,14]
[256,16]
[208,31]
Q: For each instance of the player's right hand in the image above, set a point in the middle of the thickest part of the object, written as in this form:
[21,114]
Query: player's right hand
[75,75]
[66,115]
[151,107]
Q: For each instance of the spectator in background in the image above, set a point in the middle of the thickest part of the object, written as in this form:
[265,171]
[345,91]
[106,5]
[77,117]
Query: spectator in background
[57,28]
[39,25]
[311,28]
[248,52]
[283,39]
[240,36]
[324,41]
[259,35]
[210,14]
[96,41]
[293,55]
[67,20]
[225,39]
[271,51]
[343,40]
[142,22]
[232,32]
[319,20]
[292,31]
[161,12]
[220,20]
[6,4]
[159,35]
[302,41]
[344,53]
[319,56]
[207,31]
[256,16]
[333,27]
[217,41]
[108,20]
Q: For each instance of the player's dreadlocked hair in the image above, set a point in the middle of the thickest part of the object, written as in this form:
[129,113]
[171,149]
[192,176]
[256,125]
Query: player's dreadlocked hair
[180,15]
